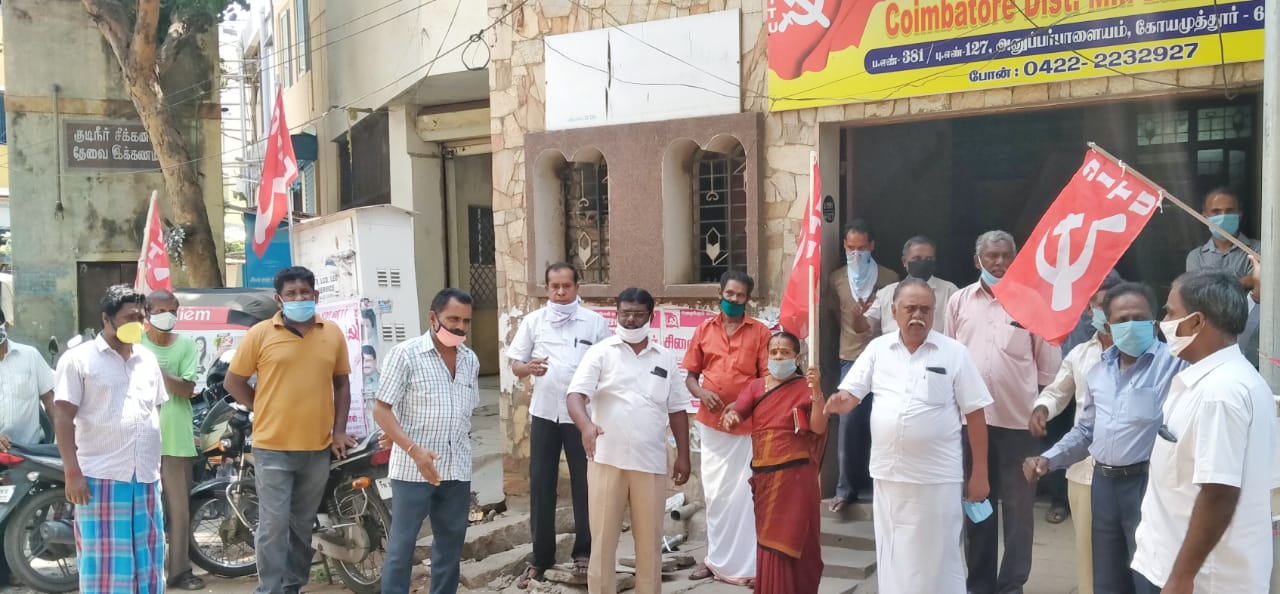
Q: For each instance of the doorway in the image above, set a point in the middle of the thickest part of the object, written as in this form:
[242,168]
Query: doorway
[472,268]
[92,280]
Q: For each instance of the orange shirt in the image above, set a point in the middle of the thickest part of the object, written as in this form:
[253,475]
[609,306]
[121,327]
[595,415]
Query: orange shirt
[293,407]
[727,363]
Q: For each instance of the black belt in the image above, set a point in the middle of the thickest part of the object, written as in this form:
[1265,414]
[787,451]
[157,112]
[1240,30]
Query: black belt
[1122,471]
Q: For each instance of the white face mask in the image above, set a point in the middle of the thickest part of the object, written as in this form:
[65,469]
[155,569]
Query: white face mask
[1177,344]
[164,322]
[632,336]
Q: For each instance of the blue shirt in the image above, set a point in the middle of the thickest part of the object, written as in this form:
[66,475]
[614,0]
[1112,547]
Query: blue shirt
[1119,427]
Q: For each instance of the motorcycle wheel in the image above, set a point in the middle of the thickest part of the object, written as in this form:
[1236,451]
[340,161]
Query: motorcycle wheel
[220,544]
[366,577]
[41,565]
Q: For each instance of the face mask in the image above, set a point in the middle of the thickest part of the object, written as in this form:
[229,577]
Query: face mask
[921,269]
[130,333]
[1177,344]
[858,260]
[781,370]
[562,313]
[448,337]
[1134,338]
[1099,321]
[632,335]
[299,311]
[1229,223]
[731,309]
[164,322]
[988,278]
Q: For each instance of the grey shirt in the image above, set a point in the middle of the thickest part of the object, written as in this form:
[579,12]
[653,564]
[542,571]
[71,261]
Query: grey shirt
[1234,260]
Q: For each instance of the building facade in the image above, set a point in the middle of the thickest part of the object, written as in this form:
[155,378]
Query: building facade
[656,143]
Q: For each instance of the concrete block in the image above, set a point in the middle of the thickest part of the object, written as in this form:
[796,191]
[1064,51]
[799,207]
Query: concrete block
[478,573]
[852,512]
[837,586]
[506,532]
[850,535]
[844,563]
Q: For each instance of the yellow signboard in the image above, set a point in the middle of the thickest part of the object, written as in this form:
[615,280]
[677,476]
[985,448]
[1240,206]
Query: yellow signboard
[830,52]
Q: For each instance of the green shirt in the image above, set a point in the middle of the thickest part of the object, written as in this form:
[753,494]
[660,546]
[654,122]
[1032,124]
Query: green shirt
[177,436]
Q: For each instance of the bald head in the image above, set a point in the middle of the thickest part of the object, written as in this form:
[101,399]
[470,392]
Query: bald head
[161,296]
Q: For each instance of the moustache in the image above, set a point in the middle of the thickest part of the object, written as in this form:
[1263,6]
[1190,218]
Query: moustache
[916,323]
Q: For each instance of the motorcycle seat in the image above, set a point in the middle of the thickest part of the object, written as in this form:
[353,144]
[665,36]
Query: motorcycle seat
[369,441]
[43,450]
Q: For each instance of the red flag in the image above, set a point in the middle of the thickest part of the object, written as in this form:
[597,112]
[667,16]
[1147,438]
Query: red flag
[279,170]
[153,262]
[1080,238]
[798,300]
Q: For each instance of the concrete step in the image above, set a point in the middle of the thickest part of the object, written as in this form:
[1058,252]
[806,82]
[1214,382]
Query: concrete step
[853,512]
[858,535]
[505,532]
[849,564]
[840,586]
[479,573]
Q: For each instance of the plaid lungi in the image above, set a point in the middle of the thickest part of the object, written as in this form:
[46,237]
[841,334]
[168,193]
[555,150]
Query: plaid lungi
[120,538]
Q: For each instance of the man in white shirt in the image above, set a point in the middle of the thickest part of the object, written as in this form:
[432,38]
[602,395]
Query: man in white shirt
[919,260]
[548,346]
[924,383]
[26,384]
[632,384]
[1206,517]
[108,392]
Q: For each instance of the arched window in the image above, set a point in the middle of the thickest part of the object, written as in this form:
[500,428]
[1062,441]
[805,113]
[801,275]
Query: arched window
[585,188]
[720,212]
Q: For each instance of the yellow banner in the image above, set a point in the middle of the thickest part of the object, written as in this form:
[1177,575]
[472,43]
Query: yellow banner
[831,52]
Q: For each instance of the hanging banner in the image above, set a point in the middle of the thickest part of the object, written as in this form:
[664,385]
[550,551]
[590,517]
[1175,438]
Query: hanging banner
[346,314]
[831,52]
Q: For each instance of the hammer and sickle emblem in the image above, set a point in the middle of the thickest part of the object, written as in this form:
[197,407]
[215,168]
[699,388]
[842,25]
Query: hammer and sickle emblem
[812,14]
[1066,271]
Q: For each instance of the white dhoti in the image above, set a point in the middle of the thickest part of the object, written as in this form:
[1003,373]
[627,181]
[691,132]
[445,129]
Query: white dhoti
[918,546]
[731,514]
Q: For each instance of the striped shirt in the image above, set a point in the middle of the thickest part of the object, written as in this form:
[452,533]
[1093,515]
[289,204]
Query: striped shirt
[118,419]
[432,407]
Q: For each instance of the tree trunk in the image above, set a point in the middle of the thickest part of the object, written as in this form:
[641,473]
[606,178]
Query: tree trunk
[136,55]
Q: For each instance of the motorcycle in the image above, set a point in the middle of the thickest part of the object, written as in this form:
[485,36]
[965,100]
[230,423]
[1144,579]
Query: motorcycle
[352,527]
[39,522]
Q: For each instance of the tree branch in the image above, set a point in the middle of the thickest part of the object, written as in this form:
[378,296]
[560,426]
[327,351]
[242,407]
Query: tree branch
[180,31]
[142,49]
[113,24]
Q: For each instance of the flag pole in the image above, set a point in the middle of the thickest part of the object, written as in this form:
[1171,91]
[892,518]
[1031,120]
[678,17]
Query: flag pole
[1166,195]
[813,323]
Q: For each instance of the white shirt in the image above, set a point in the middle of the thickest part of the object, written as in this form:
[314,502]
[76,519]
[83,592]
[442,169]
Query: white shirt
[118,420]
[563,346]
[1221,412]
[24,378]
[1071,383]
[880,316]
[631,397]
[920,398]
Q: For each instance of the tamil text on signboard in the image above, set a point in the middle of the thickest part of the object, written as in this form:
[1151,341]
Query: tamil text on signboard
[117,146]
[829,52]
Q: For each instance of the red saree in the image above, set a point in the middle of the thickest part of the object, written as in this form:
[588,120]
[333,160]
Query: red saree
[784,485]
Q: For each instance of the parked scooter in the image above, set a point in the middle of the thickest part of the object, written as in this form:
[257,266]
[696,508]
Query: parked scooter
[39,522]
[352,526]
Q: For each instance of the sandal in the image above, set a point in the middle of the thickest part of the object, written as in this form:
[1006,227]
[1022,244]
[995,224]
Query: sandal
[1056,514]
[580,566]
[187,581]
[530,573]
[837,505]
[701,573]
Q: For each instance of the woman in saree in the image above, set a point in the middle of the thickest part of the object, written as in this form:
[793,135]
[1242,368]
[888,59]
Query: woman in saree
[787,441]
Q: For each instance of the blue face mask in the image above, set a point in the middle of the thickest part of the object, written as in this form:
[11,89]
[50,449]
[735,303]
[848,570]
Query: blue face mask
[731,309]
[299,311]
[1229,223]
[1134,338]
[988,278]
[1099,321]
[781,370]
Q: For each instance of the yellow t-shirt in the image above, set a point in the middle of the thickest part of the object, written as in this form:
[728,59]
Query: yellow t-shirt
[293,408]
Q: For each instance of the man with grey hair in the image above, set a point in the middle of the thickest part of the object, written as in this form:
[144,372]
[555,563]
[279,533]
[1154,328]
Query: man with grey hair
[919,260]
[1206,517]
[1014,364]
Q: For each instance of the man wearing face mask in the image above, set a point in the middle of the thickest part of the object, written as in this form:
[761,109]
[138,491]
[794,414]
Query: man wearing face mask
[918,259]
[428,391]
[1222,207]
[1118,428]
[926,383]
[850,294]
[1014,363]
[1206,517]
[177,357]
[108,392]
[300,418]
[548,346]
[26,384]
[1054,402]
[725,354]
[632,385]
